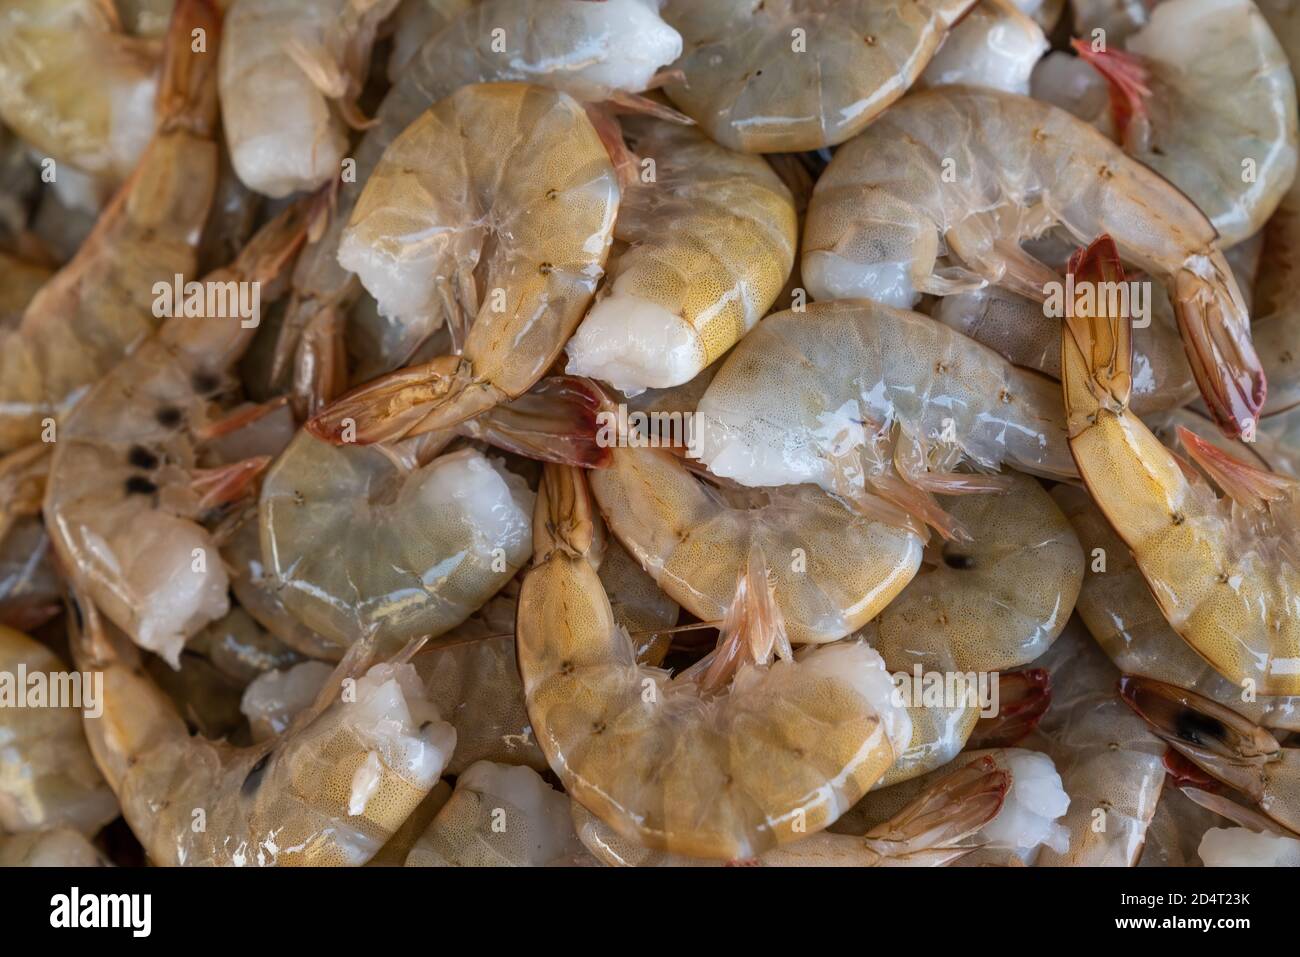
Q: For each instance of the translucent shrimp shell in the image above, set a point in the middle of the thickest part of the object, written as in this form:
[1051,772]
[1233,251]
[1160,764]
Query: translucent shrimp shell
[806,387]
[495,211]
[711,239]
[790,75]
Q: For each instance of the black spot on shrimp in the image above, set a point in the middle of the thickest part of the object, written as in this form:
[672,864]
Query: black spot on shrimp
[205,383]
[141,458]
[139,485]
[168,416]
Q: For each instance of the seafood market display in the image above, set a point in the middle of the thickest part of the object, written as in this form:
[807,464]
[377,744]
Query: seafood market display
[649,433]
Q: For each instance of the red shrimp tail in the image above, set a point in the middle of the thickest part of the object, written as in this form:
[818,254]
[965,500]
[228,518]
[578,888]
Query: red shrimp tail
[1185,773]
[187,90]
[1127,78]
[422,398]
[1246,484]
[941,824]
[1096,348]
[558,420]
[1024,698]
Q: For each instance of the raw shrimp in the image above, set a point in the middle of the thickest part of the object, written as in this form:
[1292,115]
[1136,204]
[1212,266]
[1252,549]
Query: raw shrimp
[273,699]
[74,86]
[60,847]
[364,540]
[1203,95]
[498,816]
[995,45]
[995,603]
[47,776]
[414,22]
[1222,570]
[100,305]
[790,75]
[848,395]
[1117,19]
[1118,609]
[691,765]
[710,242]
[1176,830]
[238,646]
[939,825]
[1027,820]
[1018,329]
[975,172]
[331,790]
[1110,765]
[592,51]
[290,76]
[1221,742]
[832,569]
[145,18]
[494,211]
[126,496]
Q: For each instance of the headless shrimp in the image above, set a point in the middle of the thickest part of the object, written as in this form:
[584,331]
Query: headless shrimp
[330,791]
[126,494]
[60,847]
[995,603]
[976,172]
[710,242]
[1117,607]
[75,86]
[290,76]
[1201,87]
[940,824]
[832,570]
[47,776]
[688,766]
[102,304]
[495,212]
[800,74]
[861,399]
[1222,570]
[592,51]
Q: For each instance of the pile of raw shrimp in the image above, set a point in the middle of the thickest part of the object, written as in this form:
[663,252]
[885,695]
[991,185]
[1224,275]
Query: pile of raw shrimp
[624,432]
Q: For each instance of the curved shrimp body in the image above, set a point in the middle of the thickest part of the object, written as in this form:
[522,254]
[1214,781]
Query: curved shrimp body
[1118,609]
[800,74]
[47,776]
[1220,741]
[671,764]
[493,211]
[102,304]
[359,542]
[809,396]
[994,603]
[832,569]
[934,826]
[993,45]
[126,494]
[1217,91]
[498,816]
[973,173]
[710,242]
[1110,765]
[1222,570]
[330,791]
[592,51]
[284,67]
[1018,329]
[74,86]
